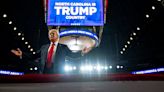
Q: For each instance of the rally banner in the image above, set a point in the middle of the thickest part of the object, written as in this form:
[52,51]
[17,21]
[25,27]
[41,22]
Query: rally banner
[75,13]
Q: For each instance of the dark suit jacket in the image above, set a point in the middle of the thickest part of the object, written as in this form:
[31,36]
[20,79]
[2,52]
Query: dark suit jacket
[41,55]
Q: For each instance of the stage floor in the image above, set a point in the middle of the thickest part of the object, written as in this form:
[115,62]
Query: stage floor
[97,86]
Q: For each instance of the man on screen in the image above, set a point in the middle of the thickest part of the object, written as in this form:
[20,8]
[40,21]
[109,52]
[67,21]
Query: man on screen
[48,54]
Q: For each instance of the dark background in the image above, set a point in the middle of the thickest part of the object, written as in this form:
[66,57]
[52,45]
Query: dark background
[123,17]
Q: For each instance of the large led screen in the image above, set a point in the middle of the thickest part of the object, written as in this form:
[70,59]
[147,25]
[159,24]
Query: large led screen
[75,12]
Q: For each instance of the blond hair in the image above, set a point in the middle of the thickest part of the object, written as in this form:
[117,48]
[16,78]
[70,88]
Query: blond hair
[54,30]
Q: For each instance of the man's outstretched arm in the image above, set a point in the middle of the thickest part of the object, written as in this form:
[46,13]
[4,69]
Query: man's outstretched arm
[17,52]
[22,55]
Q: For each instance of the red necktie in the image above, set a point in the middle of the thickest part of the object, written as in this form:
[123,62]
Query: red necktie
[49,57]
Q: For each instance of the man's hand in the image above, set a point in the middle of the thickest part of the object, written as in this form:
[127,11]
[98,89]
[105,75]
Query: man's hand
[86,50]
[17,52]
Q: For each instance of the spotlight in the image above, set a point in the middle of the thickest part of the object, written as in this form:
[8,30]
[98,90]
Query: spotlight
[153,7]
[74,68]
[10,22]
[94,67]
[123,49]
[98,68]
[22,38]
[89,68]
[70,68]
[35,68]
[66,68]
[4,15]
[131,38]
[128,42]
[134,34]
[19,34]
[117,66]
[26,42]
[121,52]
[82,68]
[31,49]
[15,28]
[34,53]
[110,67]
[31,69]
[106,68]
[102,67]
[138,28]
[29,46]
[147,16]
[126,46]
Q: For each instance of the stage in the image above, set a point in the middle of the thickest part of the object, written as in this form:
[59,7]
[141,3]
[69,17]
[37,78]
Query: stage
[82,83]
[98,86]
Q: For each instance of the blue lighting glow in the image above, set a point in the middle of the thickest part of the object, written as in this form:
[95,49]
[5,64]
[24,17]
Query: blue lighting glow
[81,32]
[10,72]
[149,71]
